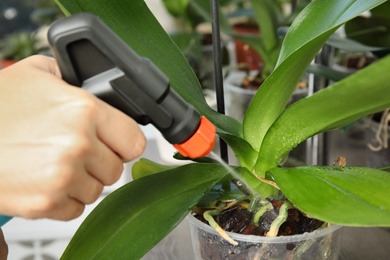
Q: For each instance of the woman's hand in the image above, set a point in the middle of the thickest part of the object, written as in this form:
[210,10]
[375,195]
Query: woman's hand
[59,145]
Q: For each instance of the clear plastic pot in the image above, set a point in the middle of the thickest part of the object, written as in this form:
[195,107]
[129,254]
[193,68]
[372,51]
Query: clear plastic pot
[320,244]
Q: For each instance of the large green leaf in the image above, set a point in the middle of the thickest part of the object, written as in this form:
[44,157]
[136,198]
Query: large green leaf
[341,195]
[361,94]
[131,220]
[137,26]
[306,36]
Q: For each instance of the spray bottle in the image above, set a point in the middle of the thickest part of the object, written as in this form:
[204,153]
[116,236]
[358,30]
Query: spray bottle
[91,56]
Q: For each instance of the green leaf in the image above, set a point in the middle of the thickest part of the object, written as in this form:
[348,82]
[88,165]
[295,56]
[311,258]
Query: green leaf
[134,218]
[331,13]
[351,196]
[145,167]
[382,10]
[306,36]
[372,30]
[255,186]
[137,26]
[242,149]
[351,45]
[335,106]
[328,72]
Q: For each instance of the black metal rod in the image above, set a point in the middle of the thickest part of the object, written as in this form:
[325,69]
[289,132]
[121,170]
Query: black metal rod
[216,37]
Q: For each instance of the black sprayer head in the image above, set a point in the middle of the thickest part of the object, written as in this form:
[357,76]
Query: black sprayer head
[90,55]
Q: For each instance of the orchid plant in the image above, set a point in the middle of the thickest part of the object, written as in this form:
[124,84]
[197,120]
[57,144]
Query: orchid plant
[131,220]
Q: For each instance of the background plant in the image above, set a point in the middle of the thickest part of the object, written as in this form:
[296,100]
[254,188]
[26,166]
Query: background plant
[20,45]
[372,30]
[348,195]
[268,15]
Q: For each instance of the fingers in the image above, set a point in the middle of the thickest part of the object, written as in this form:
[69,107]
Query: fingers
[86,189]
[120,133]
[66,210]
[66,196]
[104,164]
[53,206]
[117,130]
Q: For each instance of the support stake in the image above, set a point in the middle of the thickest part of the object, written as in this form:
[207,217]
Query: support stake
[218,70]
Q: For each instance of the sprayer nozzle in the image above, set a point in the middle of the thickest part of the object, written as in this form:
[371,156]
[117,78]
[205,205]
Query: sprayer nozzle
[201,143]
